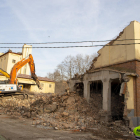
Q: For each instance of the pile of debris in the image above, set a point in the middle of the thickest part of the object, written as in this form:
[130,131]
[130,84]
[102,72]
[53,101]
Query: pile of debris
[68,111]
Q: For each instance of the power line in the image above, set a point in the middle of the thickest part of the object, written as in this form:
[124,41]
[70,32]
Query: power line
[75,46]
[73,42]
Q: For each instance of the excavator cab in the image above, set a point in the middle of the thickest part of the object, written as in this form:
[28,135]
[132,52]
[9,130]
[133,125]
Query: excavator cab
[20,87]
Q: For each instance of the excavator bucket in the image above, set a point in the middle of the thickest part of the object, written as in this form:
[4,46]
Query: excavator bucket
[36,80]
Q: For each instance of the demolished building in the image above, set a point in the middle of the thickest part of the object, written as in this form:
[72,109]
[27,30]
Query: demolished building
[114,75]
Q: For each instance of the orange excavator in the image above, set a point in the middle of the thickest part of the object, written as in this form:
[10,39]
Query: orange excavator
[12,86]
[19,65]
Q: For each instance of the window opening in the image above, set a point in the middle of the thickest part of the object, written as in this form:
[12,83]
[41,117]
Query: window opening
[13,61]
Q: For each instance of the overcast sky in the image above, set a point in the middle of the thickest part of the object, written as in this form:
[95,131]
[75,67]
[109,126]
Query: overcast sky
[39,21]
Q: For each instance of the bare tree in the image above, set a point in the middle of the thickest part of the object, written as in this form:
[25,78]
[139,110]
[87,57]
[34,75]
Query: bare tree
[82,63]
[79,63]
[70,66]
[88,61]
[50,76]
[57,75]
[61,70]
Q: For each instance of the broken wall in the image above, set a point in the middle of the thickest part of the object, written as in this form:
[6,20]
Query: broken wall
[129,96]
[110,55]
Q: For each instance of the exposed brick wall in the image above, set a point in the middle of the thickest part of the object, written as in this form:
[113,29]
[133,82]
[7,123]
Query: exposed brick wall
[137,96]
[131,65]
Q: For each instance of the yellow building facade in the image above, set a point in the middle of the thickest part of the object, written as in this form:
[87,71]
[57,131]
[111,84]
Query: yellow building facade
[9,59]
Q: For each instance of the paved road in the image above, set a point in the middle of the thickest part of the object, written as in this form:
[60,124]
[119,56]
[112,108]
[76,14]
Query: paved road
[22,129]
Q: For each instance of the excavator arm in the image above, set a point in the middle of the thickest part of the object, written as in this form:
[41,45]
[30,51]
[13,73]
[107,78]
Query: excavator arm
[19,65]
[4,73]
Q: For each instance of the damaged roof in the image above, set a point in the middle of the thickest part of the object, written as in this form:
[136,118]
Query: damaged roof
[105,56]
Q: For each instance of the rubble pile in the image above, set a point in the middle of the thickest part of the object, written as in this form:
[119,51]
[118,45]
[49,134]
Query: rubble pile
[68,111]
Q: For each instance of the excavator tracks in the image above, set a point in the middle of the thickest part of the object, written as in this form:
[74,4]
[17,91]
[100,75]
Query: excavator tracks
[25,96]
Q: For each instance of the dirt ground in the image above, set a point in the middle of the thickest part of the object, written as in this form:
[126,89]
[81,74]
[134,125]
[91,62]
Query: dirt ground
[13,128]
[22,129]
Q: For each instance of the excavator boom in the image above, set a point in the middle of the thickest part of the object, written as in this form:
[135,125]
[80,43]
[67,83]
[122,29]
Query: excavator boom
[19,65]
